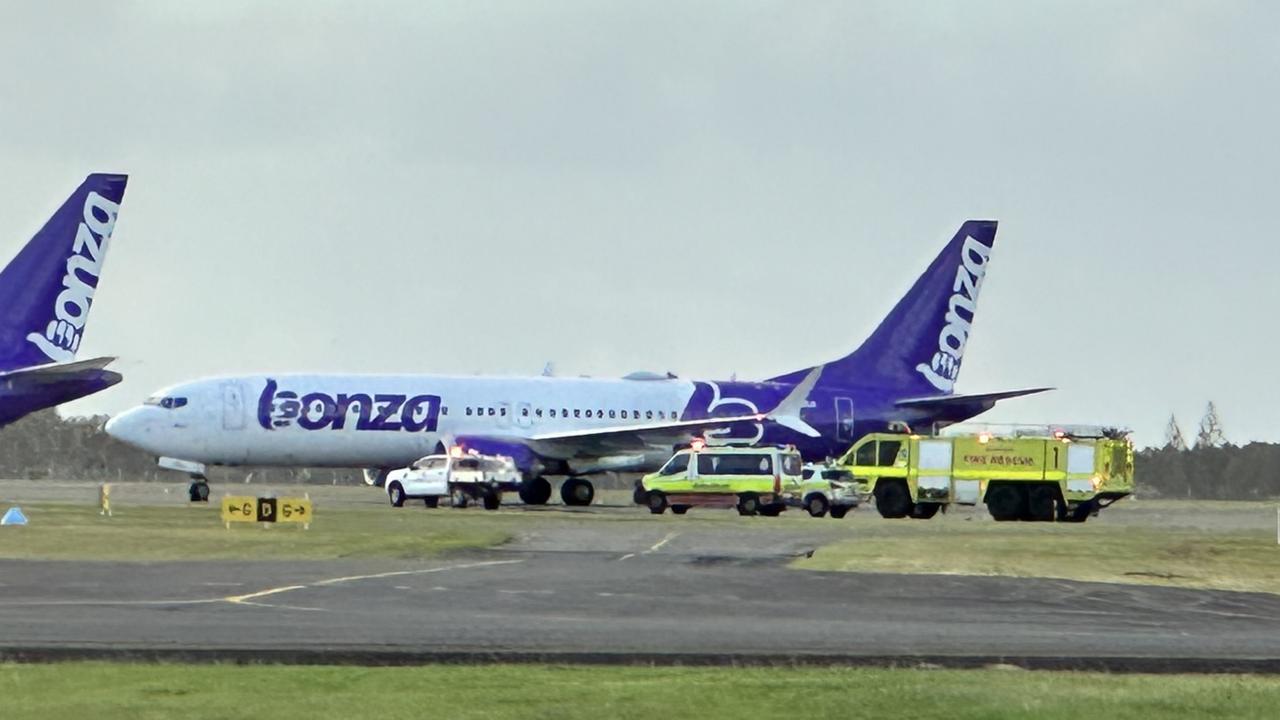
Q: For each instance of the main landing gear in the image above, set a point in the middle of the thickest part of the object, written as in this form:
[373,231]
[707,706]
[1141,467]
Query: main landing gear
[198,490]
[574,491]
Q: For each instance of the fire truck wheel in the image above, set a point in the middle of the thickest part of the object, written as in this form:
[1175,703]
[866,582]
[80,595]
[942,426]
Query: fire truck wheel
[925,511]
[1080,513]
[679,509]
[395,494]
[817,504]
[657,503]
[1041,504]
[748,504]
[431,501]
[839,511]
[577,491]
[772,510]
[535,491]
[893,500]
[1006,502]
[492,500]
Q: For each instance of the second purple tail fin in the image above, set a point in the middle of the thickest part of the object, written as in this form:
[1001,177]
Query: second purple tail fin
[918,348]
[47,289]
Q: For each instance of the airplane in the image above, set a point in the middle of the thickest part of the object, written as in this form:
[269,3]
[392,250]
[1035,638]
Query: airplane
[903,376]
[46,292]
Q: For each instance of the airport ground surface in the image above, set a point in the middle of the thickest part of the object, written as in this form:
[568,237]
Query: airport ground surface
[612,583]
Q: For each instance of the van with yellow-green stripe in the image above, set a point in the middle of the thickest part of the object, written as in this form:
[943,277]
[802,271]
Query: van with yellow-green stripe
[1044,477]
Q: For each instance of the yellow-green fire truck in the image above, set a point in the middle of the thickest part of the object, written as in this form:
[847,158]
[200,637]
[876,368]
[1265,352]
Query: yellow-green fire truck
[1059,476]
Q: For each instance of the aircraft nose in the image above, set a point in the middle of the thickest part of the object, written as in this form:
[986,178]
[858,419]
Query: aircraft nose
[125,427]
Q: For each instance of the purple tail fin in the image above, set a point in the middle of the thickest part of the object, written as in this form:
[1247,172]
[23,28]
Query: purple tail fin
[47,290]
[918,348]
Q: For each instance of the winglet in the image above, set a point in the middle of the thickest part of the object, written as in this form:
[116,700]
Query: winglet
[787,413]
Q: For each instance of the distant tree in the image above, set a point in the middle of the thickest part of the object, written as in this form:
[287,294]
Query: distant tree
[1173,439]
[1210,434]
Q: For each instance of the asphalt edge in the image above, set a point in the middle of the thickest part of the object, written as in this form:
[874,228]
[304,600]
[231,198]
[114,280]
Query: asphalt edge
[367,657]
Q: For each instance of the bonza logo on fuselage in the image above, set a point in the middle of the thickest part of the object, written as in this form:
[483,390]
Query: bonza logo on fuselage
[61,338]
[942,370]
[321,411]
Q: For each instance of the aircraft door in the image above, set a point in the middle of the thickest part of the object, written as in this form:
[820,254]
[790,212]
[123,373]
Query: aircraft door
[232,406]
[844,420]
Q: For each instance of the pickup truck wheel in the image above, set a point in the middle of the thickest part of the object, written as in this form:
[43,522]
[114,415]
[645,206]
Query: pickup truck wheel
[535,491]
[893,500]
[431,501]
[748,504]
[492,500]
[816,504]
[459,499]
[657,503]
[839,511]
[1006,502]
[577,491]
[395,493]
[679,509]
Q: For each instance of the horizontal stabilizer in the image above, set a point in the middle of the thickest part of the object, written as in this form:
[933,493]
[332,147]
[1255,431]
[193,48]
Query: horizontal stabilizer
[58,371]
[945,401]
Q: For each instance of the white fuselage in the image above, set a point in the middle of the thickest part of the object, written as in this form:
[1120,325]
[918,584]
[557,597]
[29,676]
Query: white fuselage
[380,420]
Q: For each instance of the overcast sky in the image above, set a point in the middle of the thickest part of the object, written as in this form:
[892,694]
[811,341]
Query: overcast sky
[707,188]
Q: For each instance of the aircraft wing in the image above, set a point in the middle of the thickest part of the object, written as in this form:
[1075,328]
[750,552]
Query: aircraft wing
[941,402]
[57,371]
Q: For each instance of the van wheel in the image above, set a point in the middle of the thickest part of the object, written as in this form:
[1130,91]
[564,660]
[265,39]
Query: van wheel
[431,501]
[925,511]
[817,505]
[748,504]
[657,503]
[535,491]
[492,500]
[893,500]
[459,499]
[640,496]
[1041,503]
[679,509]
[396,494]
[1006,502]
[839,511]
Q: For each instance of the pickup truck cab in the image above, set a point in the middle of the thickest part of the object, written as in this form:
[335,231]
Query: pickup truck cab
[752,479]
[461,478]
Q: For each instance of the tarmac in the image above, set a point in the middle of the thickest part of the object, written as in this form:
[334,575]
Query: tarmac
[605,592]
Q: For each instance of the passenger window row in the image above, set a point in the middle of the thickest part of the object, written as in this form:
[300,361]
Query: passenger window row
[501,411]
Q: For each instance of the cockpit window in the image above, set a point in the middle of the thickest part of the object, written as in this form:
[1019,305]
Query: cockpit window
[168,402]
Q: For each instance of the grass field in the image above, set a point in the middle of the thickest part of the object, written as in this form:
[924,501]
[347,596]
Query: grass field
[1217,557]
[141,692]
[63,531]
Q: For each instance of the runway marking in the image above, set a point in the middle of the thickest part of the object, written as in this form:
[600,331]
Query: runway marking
[398,573]
[624,557]
[527,592]
[658,545]
[238,599]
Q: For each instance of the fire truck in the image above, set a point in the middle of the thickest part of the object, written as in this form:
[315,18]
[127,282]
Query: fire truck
[1065,474]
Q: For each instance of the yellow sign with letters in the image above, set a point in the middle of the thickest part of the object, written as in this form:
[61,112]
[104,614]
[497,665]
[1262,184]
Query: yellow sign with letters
[239,508]
[296,510]
[245,508]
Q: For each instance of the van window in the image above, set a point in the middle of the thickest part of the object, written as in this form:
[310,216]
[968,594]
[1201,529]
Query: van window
[888,454]
[677,465]
[744,464]
[791,464]
[866,454]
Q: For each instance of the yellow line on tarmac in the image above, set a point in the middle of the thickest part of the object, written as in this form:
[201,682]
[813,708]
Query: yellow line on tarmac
[658,545]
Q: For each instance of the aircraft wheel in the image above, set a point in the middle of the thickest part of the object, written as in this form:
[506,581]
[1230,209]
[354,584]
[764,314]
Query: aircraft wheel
[535,491]
[1041,503]
[376,477]
[657,503]
[577,491]
[748,504]
[492,500]
[1006,502]
[431,501]
[198,491]
[925,511]
[395,493]
[839,511]
[679,509]
[893,500]
[817,505]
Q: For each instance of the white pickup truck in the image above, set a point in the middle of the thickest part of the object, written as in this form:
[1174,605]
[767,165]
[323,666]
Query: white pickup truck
[461,478]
